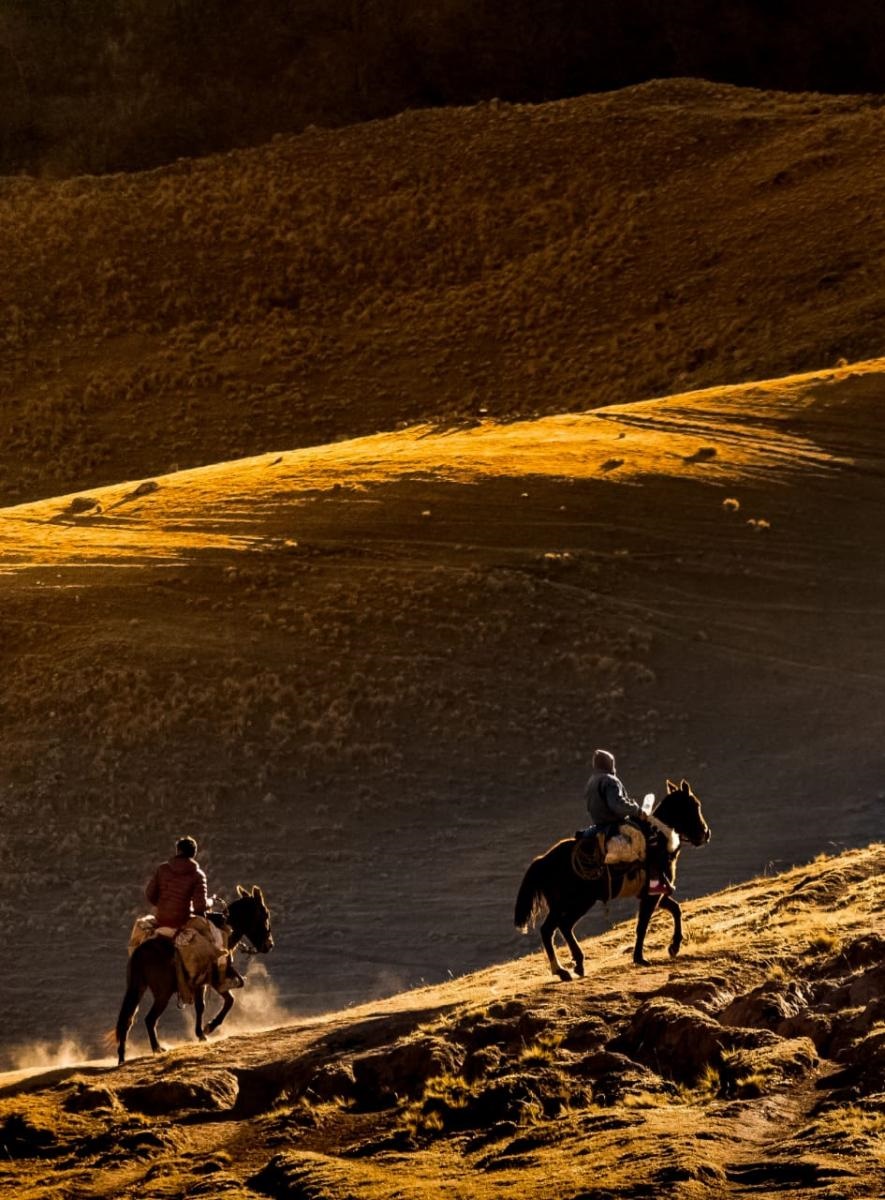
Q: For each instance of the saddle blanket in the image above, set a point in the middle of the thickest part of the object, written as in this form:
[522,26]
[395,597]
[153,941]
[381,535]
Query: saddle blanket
[626,846]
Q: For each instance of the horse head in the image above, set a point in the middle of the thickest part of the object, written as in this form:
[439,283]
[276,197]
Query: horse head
[681,810]
[250,917]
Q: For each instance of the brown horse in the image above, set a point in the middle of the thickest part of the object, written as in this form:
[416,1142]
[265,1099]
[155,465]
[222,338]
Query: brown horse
[152,966]
[552,880]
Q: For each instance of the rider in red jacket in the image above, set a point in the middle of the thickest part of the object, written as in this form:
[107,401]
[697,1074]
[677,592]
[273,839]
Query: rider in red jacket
[178,887]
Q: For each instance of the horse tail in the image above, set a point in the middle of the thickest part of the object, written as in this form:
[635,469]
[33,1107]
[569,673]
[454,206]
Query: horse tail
[135,987]
[530,896]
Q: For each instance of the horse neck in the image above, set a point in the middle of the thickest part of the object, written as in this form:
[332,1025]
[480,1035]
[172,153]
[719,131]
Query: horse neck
[666,810]
[235,918]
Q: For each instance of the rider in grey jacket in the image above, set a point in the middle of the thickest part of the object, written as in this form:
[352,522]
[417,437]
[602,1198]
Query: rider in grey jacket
[607,799]
[608,804]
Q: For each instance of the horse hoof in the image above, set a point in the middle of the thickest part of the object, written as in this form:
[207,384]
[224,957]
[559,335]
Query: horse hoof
[641,962]
[564,975]
[673,949]
[158,1049]
[201,1037]
[579,970]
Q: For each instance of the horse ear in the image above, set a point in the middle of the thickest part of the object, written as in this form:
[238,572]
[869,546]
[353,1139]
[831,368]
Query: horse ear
[671,786]
[256,894]
[241,891]
[686,787]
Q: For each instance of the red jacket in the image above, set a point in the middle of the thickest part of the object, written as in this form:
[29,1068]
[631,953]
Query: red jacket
[178,889]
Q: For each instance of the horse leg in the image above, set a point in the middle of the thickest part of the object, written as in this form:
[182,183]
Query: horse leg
[548,929]
[668,903]
[128,1009]
[566,927]
[221,1014]
[199,1009]
[156,1011]
[647,906]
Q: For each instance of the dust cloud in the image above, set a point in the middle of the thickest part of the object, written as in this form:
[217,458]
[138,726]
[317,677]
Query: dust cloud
[257,1006]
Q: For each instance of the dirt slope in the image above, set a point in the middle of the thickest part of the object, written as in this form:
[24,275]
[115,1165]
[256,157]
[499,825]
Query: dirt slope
[721,1073]
[368,676]
[433,267]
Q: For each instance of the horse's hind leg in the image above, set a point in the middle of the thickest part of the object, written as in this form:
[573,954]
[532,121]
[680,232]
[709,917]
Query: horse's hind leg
[156,1011]
[128,1009]
[671,906]
[548,929]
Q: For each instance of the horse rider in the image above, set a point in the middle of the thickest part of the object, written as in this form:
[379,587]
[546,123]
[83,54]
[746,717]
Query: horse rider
[177,889]
[608,805]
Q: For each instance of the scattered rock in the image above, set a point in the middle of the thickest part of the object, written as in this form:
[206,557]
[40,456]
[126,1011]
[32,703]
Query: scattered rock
[704,454]
[144,489]
[83,504]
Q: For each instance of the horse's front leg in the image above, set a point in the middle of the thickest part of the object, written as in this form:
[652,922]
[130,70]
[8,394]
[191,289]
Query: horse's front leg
[647,906]
[668,903]
[548,929]
[566,927]
[199,1009]
[221,1014]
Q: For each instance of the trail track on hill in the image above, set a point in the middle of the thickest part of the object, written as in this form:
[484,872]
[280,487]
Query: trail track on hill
[762,1075]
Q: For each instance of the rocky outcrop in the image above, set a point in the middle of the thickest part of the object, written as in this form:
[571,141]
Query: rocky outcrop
[207,1090]
[384,1076]
[681,1042]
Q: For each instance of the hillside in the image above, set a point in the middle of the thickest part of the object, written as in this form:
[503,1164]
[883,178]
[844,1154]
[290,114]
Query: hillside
[510,261]
[116,85]
[726,1072]
[368,676]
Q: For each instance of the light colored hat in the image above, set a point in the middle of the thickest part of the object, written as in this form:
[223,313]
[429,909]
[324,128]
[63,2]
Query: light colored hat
[604,761]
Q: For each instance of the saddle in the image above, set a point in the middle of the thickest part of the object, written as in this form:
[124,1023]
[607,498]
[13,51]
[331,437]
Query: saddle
[625,847]
[201,955]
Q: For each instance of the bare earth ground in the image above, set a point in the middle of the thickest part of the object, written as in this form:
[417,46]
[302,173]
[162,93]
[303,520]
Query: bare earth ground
[368,677]
[717,1074]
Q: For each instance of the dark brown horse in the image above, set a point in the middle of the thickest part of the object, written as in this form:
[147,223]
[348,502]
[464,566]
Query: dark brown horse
[152,966]
[552,880]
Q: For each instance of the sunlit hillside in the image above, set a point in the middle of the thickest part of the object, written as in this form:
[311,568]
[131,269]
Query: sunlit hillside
[440,266]
[752,1065]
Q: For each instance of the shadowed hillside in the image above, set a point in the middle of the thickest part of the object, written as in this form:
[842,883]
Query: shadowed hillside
[435,267]
[751,1065]
[369,675]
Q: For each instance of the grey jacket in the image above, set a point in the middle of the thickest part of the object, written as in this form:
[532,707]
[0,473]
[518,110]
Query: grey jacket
[607,799]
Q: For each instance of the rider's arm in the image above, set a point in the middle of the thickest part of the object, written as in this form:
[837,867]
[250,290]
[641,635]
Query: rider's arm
[198,894]
[152,891]
[618,801]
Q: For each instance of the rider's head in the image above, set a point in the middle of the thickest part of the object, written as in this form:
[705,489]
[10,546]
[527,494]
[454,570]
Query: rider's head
[186,847]
[603,761]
